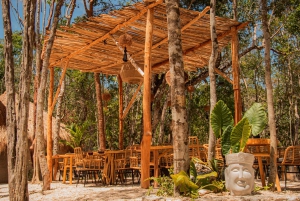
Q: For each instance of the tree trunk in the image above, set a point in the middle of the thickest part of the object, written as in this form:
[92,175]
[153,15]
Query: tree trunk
[56,129]
[100,119]
[271,115]
[11,124]
[212,77]
[21,163]
[40,103]
[36,169]
[100,116]
[162,120]
[178,100]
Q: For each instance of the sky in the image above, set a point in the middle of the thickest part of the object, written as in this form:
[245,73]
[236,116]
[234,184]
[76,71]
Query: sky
[17,4]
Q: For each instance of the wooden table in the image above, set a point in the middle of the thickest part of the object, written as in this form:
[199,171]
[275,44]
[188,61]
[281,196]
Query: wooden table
[260,148]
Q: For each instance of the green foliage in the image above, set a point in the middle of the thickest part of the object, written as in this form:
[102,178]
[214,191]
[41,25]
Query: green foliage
[236,137]
[166,186]
[257,117]
[77,135]
[190,184]
[221,118]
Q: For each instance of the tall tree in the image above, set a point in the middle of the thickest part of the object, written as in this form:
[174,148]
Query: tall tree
[40,98]
[212,77]
[11,123]
[17,127]
[56,130]
[269,87]
[100,116]
[178,99]
[38,53]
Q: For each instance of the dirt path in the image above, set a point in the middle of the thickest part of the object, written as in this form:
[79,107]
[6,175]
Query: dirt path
[90,192]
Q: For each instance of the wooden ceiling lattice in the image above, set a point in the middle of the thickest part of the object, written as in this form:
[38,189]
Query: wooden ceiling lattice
[91,46]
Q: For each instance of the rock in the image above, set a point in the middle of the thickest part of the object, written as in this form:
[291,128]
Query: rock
[203,191]
[153,198]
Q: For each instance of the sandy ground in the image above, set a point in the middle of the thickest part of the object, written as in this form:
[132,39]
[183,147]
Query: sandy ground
[91,191]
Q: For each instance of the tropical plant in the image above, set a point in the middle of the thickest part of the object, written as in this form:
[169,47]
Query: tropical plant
[234,138]
[76,138]
[201,176]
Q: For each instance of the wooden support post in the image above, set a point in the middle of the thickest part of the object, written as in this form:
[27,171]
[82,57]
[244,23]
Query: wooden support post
[236,76]
[121,135]
[147,137]
[51,104]
[49,126]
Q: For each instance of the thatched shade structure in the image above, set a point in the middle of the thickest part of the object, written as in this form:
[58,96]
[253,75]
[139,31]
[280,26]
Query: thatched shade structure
[92,46]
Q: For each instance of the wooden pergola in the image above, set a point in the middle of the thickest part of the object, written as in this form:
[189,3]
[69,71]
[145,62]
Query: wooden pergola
[92,46]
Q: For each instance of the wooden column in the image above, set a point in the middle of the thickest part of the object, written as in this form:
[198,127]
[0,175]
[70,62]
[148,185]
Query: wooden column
[147,137]
[236,76]
[121,135]
[49,126]
[51,104]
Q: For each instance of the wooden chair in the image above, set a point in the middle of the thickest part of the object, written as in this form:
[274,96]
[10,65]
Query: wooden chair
[67,166]
[203,153]
[165,162]
[135,164]
[120,163]
[291,158]
[78,156]
[194,147]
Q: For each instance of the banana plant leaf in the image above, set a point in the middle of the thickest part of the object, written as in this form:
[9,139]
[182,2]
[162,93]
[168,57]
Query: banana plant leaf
[215,186]
[204,176]
[220,118]
[240,134]
[225,140]
[184,183]
[257,118]
[193,171]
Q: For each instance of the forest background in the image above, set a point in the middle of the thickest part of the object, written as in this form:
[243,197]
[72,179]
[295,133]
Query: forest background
[78,107]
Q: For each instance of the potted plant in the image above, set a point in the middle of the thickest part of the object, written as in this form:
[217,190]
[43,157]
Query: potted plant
[239,175]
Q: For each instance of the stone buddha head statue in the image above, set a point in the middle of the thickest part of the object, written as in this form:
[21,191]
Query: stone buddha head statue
[239,175]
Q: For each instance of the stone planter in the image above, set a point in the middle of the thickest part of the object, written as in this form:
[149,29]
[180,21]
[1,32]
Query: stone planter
[239,175]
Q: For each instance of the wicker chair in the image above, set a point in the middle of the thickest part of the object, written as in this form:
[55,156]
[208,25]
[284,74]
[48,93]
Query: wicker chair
[194,147]
[291,158]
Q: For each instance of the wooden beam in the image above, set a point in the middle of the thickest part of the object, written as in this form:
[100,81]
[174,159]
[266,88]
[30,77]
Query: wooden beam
[147,137]
[223,75]
[114,30]
[208,42]
[236,76]
[121,122]
[141,72]
[131,101]
[49,123]
[51,104]
[217,70]
[206,9]
[62,77]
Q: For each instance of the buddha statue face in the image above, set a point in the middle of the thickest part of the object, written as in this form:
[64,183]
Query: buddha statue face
[239,179]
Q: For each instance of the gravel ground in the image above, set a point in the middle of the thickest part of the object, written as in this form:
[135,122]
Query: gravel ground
[130,192]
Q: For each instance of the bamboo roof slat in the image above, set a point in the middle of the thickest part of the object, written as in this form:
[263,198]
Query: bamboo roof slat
[89,47]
